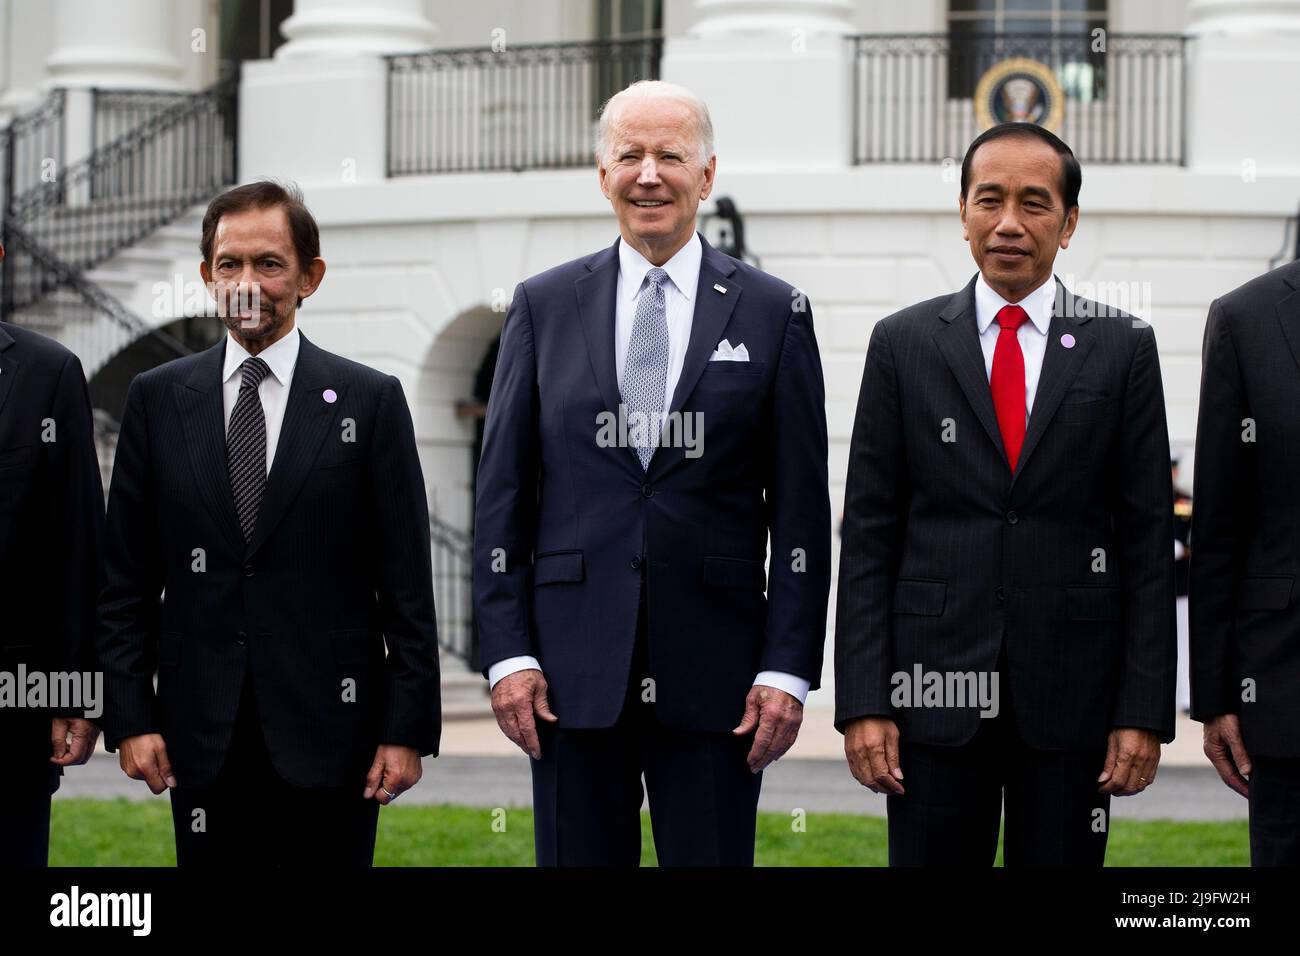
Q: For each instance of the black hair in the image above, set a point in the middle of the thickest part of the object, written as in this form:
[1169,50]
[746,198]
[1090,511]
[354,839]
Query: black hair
[1071,173]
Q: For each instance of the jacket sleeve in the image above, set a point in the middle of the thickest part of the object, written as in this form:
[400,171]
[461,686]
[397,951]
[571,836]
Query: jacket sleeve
[404,584]
[1145,521]
[1223,521]
[798,507]
[77,489]
[876,499]
[505,512]
[129,604]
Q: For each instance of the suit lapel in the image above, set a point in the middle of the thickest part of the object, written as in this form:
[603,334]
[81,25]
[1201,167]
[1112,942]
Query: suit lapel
[203,419]
[595,293]
[1060,367]
[713,311]
[307,420]
[959,342]
[1288,313]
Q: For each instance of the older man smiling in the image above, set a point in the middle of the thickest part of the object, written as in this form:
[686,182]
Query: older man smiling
[619,587]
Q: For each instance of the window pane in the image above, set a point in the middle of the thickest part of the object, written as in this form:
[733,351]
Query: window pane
[1094,7]
[632,17]
[1013,7]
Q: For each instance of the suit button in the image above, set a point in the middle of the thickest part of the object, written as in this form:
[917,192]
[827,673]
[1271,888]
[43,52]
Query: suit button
[1012,517]
[242,638]
[248,570]
[647,491]
[636,561]
[1001,593]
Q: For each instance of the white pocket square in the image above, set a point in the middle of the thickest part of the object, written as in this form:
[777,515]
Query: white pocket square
[725,353]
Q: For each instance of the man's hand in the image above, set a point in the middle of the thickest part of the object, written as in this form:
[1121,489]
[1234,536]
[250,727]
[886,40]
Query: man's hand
[515,698]
[1227,751]
[1132,755]
[777,716]
[871,745]
[72,740]
[395,769]
[144,757]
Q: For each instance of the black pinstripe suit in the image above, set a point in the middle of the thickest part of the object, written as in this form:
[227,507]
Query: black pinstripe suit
[1245,618]
[337,571]
[1059,578]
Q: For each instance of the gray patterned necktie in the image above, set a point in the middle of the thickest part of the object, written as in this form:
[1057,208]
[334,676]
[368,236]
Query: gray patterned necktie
[645,372]
[246,446]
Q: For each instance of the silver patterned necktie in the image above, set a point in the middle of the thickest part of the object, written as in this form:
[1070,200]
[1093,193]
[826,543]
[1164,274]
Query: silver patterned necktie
[246,446]
[645,372]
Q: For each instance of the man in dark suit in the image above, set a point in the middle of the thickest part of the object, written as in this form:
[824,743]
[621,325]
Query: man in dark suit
[273,491]
[1245,617]
[619,565]
[1007,528]
[51,519]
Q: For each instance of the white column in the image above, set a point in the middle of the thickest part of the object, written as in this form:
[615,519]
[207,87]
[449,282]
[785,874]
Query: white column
[1243,16]
[771,16]
[316,111]
[1243,73]
[126,43]
[775,74]
[332,28]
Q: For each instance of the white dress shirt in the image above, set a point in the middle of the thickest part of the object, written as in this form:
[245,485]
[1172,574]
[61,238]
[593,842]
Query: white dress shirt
[679,301]
[280,358]
[1032,335]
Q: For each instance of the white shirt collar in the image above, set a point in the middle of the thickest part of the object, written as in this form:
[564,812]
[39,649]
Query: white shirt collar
[683,268]
[1037,305]
[279,357]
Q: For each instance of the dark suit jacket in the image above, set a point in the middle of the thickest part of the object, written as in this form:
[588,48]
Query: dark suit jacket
[51,522]
[1244,616]
[338,569]
[946,555]
[576,520]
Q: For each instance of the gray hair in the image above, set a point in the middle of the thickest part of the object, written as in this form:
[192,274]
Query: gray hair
[643,90]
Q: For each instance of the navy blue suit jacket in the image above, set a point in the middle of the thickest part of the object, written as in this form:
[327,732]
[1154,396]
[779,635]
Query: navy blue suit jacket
[566,525]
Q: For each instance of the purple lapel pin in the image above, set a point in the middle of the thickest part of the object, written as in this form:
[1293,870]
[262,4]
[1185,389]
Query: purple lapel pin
[1067,340]
[332,396]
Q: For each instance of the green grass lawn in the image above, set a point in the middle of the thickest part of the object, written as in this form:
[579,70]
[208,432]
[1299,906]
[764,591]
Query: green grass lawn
[124,833]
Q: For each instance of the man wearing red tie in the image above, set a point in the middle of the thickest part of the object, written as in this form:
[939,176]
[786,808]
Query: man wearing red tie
[1005,624]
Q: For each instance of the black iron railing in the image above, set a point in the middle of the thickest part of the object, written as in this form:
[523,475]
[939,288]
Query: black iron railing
[180,156]
[73,313]
[525,107]
[31,149]
[1124,95]
[453,561]
[115,113]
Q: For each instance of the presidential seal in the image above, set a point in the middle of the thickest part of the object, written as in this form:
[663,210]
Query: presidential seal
[1019,90]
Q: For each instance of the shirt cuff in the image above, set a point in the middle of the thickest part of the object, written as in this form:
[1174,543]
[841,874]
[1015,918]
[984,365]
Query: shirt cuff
[796,687]
[508,666]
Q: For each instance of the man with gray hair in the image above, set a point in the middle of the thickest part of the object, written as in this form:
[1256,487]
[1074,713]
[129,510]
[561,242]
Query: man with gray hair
[657,412]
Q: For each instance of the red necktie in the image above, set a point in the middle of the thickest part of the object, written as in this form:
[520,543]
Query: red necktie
[1008,381]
